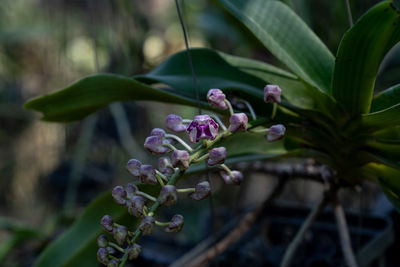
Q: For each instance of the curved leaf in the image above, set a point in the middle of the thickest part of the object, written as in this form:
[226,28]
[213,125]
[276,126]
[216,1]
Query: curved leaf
[94,92]
[385,118]
[360,54]
[287,37]
[77,246]
[386,99]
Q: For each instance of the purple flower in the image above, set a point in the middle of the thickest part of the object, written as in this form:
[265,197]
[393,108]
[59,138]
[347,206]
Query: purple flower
[148,175]
[133,167]
[158,132]
[102,241]
[120,233]
[102,256]
[217,156]
[147,225]
[201,191]
[238,122]
[272,93]
[202,127]
[275,132]
[119,195]
[135,206]
[235,177]
[216,99]
[180,159]
[107,223]
[176,224]
[112,263]
[165,166]
[134,251]
[174,123]
[155,145]
[131,190]
[168,195]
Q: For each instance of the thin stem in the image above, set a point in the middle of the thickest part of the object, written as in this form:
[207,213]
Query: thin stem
[349,16]
[205,156]
[170,146]
[219,121]
[111,244]
[113,257]
[159,179]
[226,168]
[252,113]
[162,175]
[162,223]
[274,109]
[143,194]
[344,236]
[186,190]
[293,246]
[262,130]
[183,143]
[229,106]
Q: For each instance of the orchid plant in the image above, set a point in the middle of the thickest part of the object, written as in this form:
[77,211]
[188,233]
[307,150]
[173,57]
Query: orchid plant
[327,108]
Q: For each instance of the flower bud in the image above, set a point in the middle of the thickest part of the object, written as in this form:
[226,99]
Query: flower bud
[107,223]
[147,225]
[112,263]
[119,233]
[158,132]
[168,195]
[275,132]
[201,191]
[135,206]
[119,195]
[202,127]
[180,159]
[131,190]
[148,175]
[102,256]
[176,224]
[110,250]
[235,177]
[154,144]
[216,99]
[217,156]
[102,241]
[165,166]
[134,251]
[272,93]
[174,123]
[238,122]
[133,167]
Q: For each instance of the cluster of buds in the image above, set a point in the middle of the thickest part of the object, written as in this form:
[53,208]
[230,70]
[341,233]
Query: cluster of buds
[205,131]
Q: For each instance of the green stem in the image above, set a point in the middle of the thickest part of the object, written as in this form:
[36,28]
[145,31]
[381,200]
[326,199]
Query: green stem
[185,190]
[250,108]
[162,176]
[274,109]
[226,168]
[263,130]
[170,146]
[111,244]
[183,143]
[162,223]
[159,179]
[229,106]
[143,194]
[205,156]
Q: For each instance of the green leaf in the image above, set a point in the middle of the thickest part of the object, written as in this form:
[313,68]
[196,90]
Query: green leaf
[386,99]
[77,246]
[360,54]
[287,37]
[94,92]
[385,118]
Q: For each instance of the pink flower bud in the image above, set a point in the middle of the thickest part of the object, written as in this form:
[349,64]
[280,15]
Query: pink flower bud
[119,194]
[216,99]
[168,195]
[202,127]
[147,225]
[202,190]
[134,251]
[154,144]
[238,122]
[158,132]
[275,132]
[174,123]
[272,93]
[135,206]
[236,177]
[176,224]
[165,166]
[180,159]
[133,167]
[217,156]
[148,175]
[107,223]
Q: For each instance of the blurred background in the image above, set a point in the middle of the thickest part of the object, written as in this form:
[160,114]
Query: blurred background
[49,172]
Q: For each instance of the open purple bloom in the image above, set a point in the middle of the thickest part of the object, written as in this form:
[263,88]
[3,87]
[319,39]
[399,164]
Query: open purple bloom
[180,159]
[201,191]
[165,166]
[202,127]
[148,175]
[272,93]
[176,224]
[238,122]
[174,123]
[155,145]
[235,177]
[216,99]
[133,167]
[275,132]
[216,156]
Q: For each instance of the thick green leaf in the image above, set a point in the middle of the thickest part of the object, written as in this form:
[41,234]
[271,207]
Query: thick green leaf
[77,246]
[287,37]
[385,118]
[94,92]
[386,99]
[389,180]
[360,54]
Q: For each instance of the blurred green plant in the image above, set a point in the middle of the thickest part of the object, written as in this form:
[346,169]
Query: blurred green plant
[328,104]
